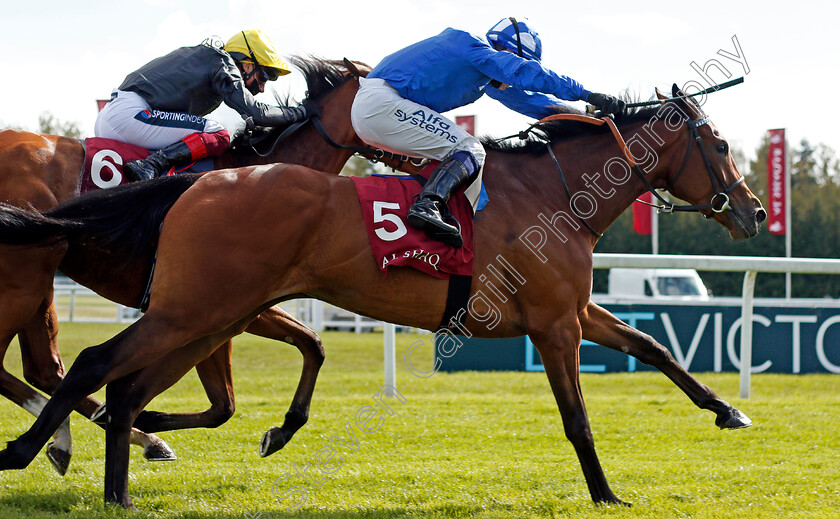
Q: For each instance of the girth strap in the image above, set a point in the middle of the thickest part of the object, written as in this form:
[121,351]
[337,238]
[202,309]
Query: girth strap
[457,298]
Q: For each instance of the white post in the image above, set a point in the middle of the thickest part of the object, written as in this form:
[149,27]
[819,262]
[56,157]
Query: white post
[72,303]
[746,332]
[390,346]
[317,315]
[654,230]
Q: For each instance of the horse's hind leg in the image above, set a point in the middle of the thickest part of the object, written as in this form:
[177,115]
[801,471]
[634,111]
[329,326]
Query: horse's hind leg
[558,347]
[117,433]
[129,351]
[60,450]
[602,327]
[43,368]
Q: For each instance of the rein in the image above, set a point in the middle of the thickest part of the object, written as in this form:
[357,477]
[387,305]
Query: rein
[372,154]
[718,203]
[285,134]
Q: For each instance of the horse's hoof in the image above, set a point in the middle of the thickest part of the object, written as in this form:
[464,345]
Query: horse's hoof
[734,420]
[126,503]
[159,451]
[98,416]
[273,440]
[612,500]
[59,458]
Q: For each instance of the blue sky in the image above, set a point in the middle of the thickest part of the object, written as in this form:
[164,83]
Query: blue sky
[60,56]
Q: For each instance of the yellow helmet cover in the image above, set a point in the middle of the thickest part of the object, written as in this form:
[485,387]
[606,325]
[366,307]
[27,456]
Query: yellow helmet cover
[255,43]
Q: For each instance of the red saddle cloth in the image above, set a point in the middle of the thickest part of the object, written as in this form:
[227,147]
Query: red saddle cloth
[104,159]
[385,200]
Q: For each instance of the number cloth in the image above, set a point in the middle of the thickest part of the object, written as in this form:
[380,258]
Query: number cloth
[385,200]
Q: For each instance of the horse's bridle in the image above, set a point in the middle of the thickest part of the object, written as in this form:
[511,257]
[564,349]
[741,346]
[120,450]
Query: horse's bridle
[720,200]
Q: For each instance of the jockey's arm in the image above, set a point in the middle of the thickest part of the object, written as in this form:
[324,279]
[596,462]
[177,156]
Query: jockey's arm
[229,83]
[523,74]
[532,104]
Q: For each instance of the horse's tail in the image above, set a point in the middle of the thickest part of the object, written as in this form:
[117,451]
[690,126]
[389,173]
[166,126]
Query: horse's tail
[23,227]
[126,217]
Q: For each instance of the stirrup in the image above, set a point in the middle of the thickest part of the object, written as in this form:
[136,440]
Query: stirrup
[453,240]
[428,222]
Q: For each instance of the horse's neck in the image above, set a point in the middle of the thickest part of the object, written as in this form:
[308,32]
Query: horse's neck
[305,146]
[600,181]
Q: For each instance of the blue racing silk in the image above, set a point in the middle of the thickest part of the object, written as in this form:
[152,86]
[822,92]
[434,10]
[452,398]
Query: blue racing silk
[532,104]
[454,68]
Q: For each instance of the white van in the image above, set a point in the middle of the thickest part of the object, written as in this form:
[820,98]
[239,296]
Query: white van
[657,283]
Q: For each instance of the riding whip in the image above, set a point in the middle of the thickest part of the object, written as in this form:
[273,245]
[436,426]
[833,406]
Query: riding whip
[591,109]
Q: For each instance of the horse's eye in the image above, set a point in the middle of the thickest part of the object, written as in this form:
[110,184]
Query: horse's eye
[723,147]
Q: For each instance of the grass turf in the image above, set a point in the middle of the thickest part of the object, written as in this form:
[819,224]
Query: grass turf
[459,445]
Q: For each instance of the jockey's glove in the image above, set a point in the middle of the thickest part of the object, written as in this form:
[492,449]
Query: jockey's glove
[606,103]
[310,109]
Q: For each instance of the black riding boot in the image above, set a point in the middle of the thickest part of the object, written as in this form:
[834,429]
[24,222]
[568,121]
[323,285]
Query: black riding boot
[425,212]
[158,162]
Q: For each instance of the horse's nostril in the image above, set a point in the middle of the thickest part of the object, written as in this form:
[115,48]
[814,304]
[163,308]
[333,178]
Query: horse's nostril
[760,215]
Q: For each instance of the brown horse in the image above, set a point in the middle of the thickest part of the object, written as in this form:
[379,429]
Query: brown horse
[41,171]
[536,236]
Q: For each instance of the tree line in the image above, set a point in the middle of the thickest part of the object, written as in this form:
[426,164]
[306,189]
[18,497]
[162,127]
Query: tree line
[815,227]
[51,125]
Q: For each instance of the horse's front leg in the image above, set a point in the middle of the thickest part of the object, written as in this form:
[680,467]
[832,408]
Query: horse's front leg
[558,344]
[602,327]
[117,433]
[216,376]
[276,324]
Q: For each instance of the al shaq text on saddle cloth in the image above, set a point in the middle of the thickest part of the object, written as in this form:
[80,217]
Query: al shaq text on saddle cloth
[385,201]
[104,159]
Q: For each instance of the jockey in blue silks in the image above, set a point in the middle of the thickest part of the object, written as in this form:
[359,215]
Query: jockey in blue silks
[398,105]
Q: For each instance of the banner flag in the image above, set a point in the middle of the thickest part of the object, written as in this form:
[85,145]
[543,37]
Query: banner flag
[643,215]
[776,176]
[466,122]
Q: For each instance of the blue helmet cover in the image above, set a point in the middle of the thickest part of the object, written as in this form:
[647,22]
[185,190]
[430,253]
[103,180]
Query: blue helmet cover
[521,38]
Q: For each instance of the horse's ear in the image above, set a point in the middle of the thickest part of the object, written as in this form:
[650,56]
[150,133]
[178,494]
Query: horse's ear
[351,68]
[688,103]
[660,95]
[675,91]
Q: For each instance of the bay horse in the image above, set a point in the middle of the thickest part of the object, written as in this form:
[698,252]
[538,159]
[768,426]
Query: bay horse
[42,171]
[535,236]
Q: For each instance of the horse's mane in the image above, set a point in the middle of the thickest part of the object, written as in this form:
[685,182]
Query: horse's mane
[553,131]
[321,75]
